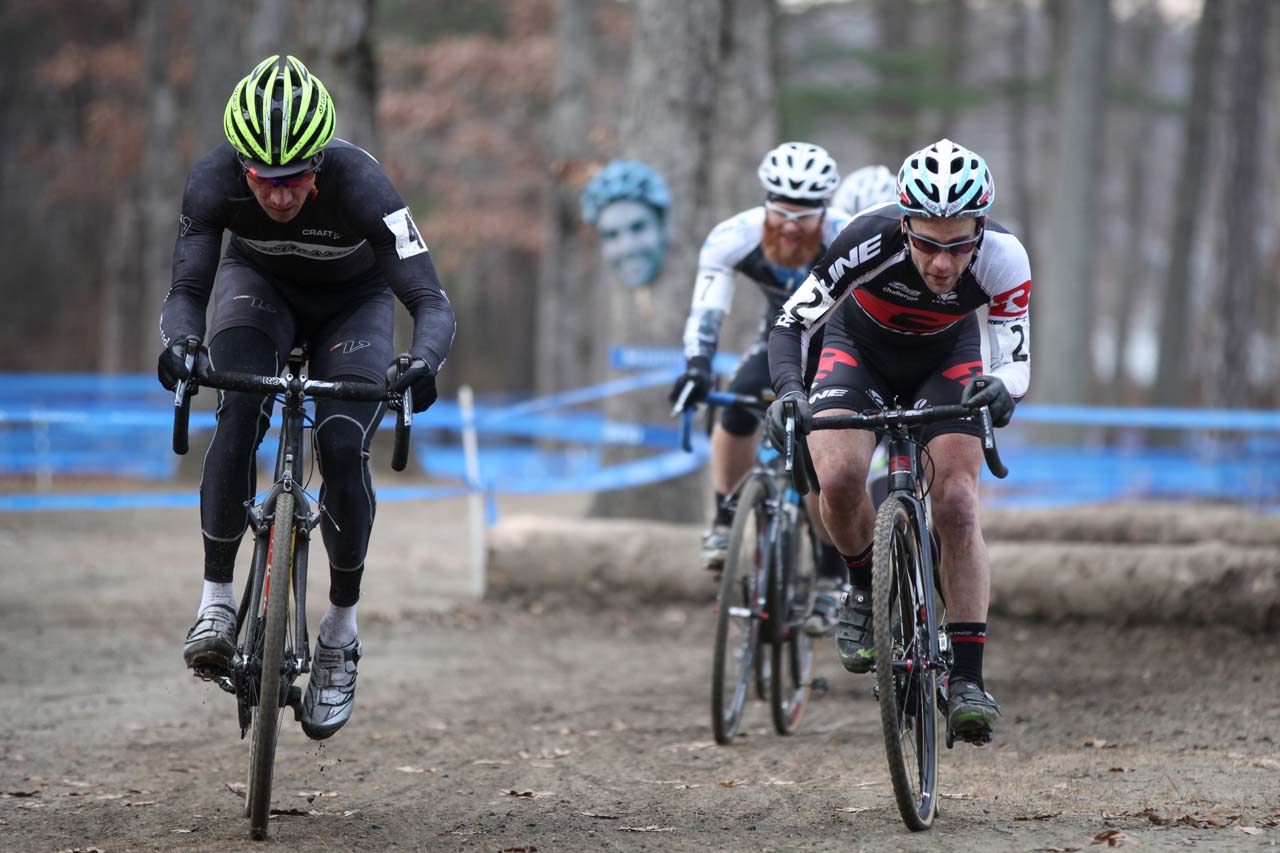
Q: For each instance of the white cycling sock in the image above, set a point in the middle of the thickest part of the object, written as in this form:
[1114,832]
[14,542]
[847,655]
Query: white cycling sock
[338,625]
[216,593]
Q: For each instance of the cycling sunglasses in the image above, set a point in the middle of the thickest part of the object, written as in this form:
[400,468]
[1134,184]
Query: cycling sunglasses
[958,249]
[794,215]
[290,181]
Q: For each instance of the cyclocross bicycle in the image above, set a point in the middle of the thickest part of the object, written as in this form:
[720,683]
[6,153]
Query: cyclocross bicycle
[273,648]
[766,591]
[912,653]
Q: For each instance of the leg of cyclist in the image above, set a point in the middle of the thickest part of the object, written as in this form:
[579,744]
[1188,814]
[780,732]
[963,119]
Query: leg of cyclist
[358,349]
[733,450]
[252,327]
[956,451]
[844,383]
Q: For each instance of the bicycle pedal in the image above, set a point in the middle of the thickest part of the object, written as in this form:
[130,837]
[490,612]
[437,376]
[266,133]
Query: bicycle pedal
[819,685]
[294,701]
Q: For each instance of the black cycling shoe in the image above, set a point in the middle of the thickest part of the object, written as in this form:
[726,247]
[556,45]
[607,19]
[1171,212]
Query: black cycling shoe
[211,642]
[855,643]
[972,710]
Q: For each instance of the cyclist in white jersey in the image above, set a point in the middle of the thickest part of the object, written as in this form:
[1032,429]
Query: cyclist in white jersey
[774,245]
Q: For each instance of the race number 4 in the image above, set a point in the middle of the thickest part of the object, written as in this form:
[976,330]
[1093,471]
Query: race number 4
[408,239]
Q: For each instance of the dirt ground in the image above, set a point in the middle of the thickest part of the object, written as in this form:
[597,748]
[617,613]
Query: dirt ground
[516,725]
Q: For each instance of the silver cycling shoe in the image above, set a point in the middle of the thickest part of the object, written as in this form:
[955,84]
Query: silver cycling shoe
[331,692]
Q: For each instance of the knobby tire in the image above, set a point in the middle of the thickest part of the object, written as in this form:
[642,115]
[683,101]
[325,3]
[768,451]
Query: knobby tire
[908,699]
[739,588]
[266,723]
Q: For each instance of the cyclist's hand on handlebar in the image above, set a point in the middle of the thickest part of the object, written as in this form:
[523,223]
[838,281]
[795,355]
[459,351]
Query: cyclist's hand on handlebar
[775,420]
[989,391]
[698,371]
[172,366]
[418,377]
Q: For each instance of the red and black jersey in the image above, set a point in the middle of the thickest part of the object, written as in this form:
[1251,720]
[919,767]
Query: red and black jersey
[867,275]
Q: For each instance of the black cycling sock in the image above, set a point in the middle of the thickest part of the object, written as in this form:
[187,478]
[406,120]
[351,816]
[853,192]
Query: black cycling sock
[830,563]
[859,569]
[344,585]
[724,510]
[222,567]
[968,639]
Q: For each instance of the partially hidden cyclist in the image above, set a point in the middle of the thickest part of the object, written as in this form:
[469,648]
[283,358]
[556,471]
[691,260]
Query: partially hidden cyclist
[774,245]
[320,245]
[897,292]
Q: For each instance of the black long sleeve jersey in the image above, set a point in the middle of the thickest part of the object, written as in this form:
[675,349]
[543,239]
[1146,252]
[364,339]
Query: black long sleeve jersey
[355,232]
[868,276]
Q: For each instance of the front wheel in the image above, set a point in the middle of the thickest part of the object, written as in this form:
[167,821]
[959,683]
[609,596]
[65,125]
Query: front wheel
[739,629]
[905,677]
[791,585]
[266,724]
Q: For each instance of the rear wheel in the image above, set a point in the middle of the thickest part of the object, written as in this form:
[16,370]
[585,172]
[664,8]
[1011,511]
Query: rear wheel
[266,723]
[905,678]
[741,610]
[791,583]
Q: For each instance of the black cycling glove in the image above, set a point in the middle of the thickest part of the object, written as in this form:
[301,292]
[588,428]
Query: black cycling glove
[417,377]
[172,367]
[698,371]
[775,418]
[989,391]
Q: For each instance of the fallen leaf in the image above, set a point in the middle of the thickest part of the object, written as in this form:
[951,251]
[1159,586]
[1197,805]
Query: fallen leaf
[650,828]
[1119,769]
[852,810]
[288,813]
[105,796]
[528,795]
[405,768]
[35,793]
[1044,816]
[139,803]
[184,831]
[1099,743]
[1114,838]
[601,816]
[1250,830]
[486,761]
[734,783]
[235,787]
[529,849]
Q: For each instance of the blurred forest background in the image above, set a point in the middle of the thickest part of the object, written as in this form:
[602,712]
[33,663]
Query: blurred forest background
[1133,143]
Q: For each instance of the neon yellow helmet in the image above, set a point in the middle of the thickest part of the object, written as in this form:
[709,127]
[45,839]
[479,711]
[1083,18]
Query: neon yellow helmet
[279,118]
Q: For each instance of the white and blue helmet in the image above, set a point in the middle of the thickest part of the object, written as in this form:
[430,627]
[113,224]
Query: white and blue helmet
[945,180]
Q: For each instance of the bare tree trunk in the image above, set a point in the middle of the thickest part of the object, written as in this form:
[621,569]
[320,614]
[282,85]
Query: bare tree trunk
[339,49]
[895,134]
[955,49]
[164,179]
[1020,173]
[1171,378]
[1064,297]
[269,29]
[1137,177]
[746,127]
[222,64]
[567,280]
[667,123]
[1242,270]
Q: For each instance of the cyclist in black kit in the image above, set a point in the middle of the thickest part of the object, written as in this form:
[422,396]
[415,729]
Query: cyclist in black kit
[320,242]
[897,293]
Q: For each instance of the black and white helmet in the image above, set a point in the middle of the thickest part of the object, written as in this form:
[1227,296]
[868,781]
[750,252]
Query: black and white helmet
[800,171]
[865,187]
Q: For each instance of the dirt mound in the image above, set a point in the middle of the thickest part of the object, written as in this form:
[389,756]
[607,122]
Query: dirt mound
[1120,563]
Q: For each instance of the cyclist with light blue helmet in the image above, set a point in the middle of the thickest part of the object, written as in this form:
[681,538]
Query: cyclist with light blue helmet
[896,297]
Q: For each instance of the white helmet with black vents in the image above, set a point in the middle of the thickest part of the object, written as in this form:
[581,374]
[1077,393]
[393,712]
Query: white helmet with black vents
[864,187]
[945,180]
[800,172]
